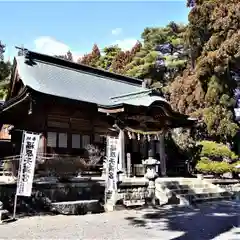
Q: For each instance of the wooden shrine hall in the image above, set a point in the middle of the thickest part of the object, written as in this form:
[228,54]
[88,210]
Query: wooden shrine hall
[73,105]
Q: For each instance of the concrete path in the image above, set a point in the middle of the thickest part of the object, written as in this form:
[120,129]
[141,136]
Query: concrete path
[220,221]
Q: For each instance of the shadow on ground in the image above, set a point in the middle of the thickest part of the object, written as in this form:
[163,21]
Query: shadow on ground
[204,222]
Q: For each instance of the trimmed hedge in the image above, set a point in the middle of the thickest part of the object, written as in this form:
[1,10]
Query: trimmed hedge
[236,170]
[206,166]
[216,158]
[213,150]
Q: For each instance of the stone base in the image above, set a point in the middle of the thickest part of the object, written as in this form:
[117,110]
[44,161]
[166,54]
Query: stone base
[77,207]
[131,203]
[4,214]
[109,207]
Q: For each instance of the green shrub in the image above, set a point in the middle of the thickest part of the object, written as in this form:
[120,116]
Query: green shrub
[215,150]
[221,167]
[207,166]
[203,166]
[205,160]
[234,169]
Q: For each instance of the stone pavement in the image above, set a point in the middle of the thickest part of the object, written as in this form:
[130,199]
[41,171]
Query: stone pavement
[218,221]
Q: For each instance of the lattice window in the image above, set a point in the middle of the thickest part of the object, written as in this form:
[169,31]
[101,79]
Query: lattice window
[76,141]
[85,140]
[52,139]
[62,140]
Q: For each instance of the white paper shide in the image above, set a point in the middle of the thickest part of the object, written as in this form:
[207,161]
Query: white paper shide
[27,163]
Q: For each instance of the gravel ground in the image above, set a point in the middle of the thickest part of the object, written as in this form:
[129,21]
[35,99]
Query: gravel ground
[208,221]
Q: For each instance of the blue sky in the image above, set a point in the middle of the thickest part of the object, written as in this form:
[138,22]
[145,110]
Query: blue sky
[54,27]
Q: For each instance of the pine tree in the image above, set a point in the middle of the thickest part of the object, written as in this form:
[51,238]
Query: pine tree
[109,54]
[162,56]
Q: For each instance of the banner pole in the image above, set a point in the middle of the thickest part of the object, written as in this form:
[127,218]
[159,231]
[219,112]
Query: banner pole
[107,171]
[18,176]
[15,207]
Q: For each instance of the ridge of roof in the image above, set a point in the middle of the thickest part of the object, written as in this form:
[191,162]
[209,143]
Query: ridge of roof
[131,94]
[148,95]
[31,55]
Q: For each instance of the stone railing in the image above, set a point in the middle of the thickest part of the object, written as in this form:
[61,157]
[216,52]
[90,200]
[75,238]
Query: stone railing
[133,191]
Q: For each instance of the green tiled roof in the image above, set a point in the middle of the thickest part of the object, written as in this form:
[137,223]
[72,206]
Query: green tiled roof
[74,83]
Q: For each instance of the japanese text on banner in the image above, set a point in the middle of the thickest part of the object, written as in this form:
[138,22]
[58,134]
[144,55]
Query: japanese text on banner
[112,162]
[27,164]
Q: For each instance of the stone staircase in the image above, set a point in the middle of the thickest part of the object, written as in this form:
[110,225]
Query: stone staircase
[186,191]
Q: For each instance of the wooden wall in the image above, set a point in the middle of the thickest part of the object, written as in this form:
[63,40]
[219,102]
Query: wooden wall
[65,120]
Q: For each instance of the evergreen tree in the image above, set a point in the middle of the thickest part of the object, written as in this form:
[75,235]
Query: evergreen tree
[109,54]
[2,50]
[69,56]
[162,55]
[207,91]
[5,70]
[91,59]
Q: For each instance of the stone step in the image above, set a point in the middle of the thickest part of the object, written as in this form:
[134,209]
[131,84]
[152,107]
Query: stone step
[77,207]
[210,199]
[189,187]
[198,191]
[192,190]
[204,197]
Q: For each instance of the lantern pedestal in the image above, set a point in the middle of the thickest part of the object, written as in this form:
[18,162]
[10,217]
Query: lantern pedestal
[151,174]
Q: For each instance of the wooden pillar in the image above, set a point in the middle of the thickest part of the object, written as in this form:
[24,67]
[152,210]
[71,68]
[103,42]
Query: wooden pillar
[129,165]
[162,155]
[152,149]
[122,162]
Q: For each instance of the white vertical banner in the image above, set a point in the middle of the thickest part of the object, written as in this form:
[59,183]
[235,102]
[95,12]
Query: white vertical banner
[112,163]
[28,157]
[121,142]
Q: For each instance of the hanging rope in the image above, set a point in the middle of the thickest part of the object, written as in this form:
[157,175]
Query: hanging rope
[141,132]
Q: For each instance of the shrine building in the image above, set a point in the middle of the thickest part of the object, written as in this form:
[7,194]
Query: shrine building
[73,105]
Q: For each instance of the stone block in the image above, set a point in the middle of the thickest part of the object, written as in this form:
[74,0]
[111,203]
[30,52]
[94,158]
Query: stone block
[76,207]
[4,214]
[109,207]
[184,201]
[199,185]
[206,190]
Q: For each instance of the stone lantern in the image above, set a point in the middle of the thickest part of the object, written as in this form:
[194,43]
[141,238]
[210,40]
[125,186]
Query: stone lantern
[151,172]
